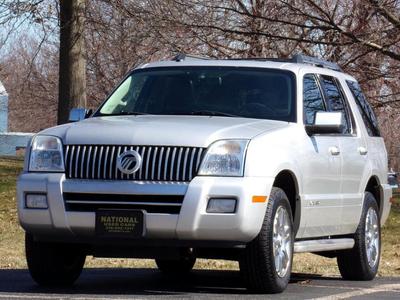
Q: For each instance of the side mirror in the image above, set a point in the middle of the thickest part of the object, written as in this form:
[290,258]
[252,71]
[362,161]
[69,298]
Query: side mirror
[326,123]
[78,114]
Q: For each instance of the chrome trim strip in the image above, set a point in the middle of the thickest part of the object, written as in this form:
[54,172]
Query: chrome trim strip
[124,188]
[123,203]
[323,245]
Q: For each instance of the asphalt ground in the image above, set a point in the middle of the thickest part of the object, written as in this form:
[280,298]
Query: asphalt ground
[200,284]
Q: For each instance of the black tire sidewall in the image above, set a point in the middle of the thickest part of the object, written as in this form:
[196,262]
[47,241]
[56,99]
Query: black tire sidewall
[279,199]
[369,202]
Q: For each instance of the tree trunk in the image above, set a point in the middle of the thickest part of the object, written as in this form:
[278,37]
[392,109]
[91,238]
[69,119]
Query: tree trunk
[72,80]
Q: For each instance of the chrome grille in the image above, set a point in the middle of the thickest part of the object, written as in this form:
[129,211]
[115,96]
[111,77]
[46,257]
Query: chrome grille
[159,163]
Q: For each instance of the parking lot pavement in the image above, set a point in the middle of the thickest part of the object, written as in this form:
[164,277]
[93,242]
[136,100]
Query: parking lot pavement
[150,284]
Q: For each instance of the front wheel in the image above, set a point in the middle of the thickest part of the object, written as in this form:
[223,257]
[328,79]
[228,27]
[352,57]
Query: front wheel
[267,260]
[53,264]
[362,262]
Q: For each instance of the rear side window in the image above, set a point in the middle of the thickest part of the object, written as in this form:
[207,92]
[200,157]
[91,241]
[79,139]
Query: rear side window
[312,98]
[366,111]
[335,100]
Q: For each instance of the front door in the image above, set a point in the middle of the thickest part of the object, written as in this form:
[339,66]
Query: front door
[321,163]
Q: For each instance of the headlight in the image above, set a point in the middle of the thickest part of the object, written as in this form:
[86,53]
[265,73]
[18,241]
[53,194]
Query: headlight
[225,158]
[46,154]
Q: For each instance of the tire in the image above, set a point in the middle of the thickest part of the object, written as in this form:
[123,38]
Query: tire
[53,264]
[257,264]
[357,263]
[181,266]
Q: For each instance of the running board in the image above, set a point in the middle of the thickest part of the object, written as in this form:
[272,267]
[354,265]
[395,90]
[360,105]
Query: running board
[323,245]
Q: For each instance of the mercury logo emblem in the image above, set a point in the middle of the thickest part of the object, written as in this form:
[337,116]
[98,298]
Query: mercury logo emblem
[129,162]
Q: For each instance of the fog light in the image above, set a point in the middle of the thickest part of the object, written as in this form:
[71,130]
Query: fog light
[36,201]
[221,205]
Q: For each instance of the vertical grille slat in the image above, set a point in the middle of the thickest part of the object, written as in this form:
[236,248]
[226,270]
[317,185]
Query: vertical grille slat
[146,176]
[178,167]
[184,164]
[106,166]
[88,162]
[159,163]
[171,174]
[153,166]
[71,162]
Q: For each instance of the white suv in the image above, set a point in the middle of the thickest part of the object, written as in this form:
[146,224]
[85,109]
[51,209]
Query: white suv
[248,160]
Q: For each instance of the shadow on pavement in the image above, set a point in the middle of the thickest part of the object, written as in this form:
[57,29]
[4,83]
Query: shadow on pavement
[145,282]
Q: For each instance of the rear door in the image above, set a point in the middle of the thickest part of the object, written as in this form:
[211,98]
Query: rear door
[353,153]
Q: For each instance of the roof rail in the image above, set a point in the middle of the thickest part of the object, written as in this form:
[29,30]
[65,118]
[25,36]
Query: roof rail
[303,59]
[298,58]
[182,56]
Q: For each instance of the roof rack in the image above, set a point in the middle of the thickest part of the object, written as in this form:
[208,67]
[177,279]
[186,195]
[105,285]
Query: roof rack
[303,59]
[298,58]
[182,56]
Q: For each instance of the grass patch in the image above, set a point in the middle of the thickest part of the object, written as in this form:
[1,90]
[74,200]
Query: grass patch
[12,245]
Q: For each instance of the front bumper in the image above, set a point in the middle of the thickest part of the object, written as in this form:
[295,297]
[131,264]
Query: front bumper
[192,223]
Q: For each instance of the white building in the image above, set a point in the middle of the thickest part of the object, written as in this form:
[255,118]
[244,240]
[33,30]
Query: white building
[10,142]
[3,109]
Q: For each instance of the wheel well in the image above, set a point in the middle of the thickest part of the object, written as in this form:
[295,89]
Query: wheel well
[288,183]
[373,187]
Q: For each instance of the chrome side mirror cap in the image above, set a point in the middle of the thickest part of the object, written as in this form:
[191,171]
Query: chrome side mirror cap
[79,114]
[326,123]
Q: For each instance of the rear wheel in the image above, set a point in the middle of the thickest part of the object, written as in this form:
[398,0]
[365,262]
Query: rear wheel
[267,260]
[53,264]
[178,266]
[362,262]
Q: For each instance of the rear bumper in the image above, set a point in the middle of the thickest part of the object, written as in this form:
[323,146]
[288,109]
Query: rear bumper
[193,223]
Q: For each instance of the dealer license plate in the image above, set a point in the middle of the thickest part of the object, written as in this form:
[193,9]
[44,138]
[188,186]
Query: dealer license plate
[120,223]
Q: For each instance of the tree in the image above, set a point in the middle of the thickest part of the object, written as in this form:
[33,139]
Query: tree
[72,72]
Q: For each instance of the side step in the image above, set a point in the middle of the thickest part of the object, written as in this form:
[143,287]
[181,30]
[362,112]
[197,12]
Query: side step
[323,245]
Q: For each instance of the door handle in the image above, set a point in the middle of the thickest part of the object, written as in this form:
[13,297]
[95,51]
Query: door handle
[334,150]
[362,150]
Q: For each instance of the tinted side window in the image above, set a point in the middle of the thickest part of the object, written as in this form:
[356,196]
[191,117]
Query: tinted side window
[365,109]
[335,99]
[313,100]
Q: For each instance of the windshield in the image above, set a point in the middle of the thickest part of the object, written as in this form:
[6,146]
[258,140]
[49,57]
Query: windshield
[216,91]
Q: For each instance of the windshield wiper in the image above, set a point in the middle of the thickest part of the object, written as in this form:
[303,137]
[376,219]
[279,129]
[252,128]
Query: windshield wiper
[211,113]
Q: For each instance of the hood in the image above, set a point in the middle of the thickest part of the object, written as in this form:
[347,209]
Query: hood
[195,131]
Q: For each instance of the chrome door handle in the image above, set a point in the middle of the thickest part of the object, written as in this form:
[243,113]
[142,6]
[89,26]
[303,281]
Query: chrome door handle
[362,150]
[334,150]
